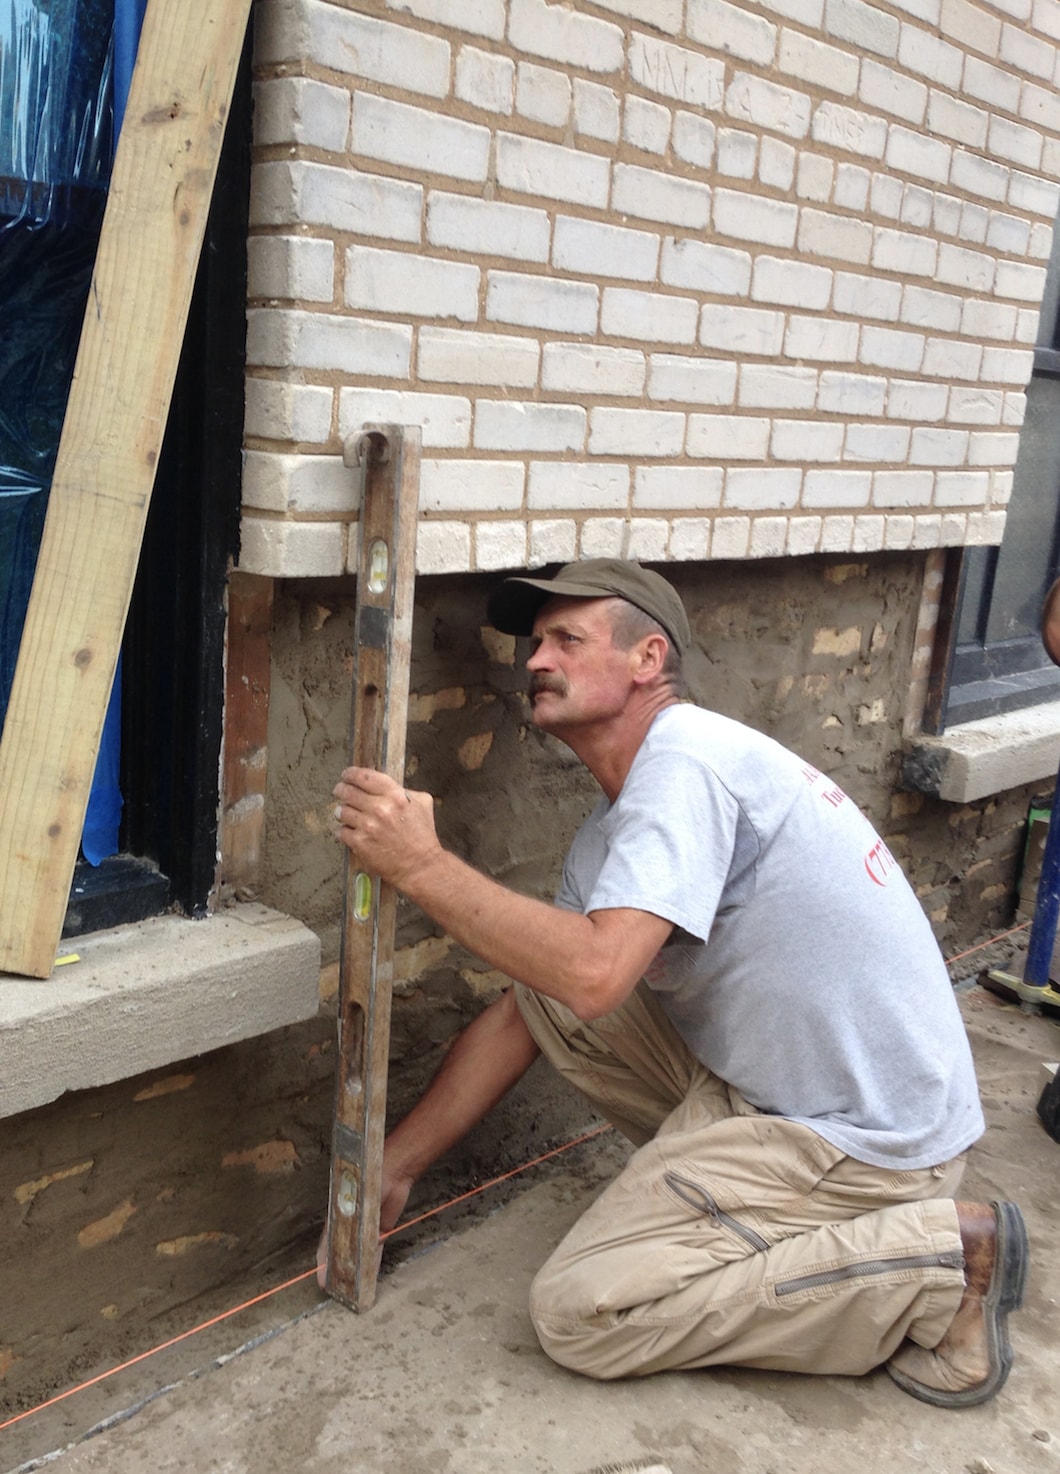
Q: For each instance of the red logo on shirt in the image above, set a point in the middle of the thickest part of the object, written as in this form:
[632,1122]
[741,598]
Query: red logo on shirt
[879,862]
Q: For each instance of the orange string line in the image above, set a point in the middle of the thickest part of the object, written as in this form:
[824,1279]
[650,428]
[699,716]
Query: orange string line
[431,1212]
[287,1284]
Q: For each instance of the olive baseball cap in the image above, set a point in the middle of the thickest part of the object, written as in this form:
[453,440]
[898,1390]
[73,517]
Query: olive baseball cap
[514,604]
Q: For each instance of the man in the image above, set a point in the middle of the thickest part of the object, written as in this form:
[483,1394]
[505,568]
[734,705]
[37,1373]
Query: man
[737,974]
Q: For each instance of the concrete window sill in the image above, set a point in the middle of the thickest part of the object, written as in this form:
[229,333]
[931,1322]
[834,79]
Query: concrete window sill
[987,756]
[146,995]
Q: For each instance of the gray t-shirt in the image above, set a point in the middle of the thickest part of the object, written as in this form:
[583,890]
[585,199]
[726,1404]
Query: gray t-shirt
[802,968]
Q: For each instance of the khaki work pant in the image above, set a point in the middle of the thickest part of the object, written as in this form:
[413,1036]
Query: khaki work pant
[731,1237]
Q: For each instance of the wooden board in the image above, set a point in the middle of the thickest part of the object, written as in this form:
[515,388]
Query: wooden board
[379,718]
[130,344]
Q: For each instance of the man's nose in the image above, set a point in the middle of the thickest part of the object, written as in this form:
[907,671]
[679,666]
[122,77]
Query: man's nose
[538,659]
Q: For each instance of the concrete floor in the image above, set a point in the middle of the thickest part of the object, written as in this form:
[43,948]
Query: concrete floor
[444,1375]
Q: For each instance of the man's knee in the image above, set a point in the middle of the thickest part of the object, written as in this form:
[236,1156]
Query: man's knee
[572,1331]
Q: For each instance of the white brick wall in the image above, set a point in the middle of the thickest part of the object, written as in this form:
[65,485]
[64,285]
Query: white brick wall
[721,278]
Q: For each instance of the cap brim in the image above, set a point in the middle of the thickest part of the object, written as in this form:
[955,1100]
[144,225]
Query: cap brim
[513,606]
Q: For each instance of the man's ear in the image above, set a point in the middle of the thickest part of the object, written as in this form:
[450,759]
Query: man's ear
[651,657]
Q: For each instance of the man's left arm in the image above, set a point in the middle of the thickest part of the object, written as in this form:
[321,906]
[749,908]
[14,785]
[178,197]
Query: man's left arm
[589,963]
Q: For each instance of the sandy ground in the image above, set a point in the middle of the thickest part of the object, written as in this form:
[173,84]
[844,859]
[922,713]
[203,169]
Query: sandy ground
[444,1376]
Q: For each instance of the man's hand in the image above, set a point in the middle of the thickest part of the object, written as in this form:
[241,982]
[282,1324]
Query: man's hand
[388,830]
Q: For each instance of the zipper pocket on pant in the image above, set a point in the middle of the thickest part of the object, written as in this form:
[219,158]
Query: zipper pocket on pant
[701,1201]
[867,1270]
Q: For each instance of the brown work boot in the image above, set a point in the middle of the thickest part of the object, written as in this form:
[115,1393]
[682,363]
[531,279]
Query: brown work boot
[971,1362]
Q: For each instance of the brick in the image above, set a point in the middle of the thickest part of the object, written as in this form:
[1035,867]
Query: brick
[851,129]
[961,121]
[985,529]
[960,267]
[737,153]
[661,15]
[769,537]
[304,193]
[443,547]
[765,488]
[1028,54]
[992,448]
[851,187]
[1015,409]
[741,330]
[504,424]
[732,30]
[776,163]
[540,302]
[552,540]
[318,340]
[1041,242]
[730,537]
[408,284]
[1038,196]
[277,549]
[821,340]
[596,110]
[898,533]
[974,406]
[918,206]
[690,539]
[299,110]
[677,488]
[926,10]
[837,488]
[891,348]
[445,419]
[947,214]
[636,432]
[595,248]
[961,488]
[415,138]
[867,296]
[676,72]
[930,57]
[914,153]
[753,99]
[791,283]
[911,399]
[888,444]
[572,485]
[646,125]
[1027,321]
[902,488]
[485,80]
[1015,143]
[1046,19]
[647,539]
[1040,107]
[972,27]
[279,411]
[815,62]
[804,534]
[868,534]
[648,194]
[975,220]
[691,380]
[886,90]
[851,394]
[932,446]
[588,368]
[728,437]
[776,386]
[822,233]
[360,46]
[532,166]
[604,537]
[806,440]
[749,217]
[299,483]
[927,532]
[814,177]
[902,252]
[864,26]
[487,227]
[924,308]
[480,17]
[991,84]
[719,271]
[988,319]
[562,35]
[286,266]
[543,94]
[693,139]
[954,530]
[885,196]
[471,486]
[648,316]
[1017,279]
[946,358]
[500,545]
[1008,234]
[980,177]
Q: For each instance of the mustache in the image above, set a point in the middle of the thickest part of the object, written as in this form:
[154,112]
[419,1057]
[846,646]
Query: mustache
[540,683]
